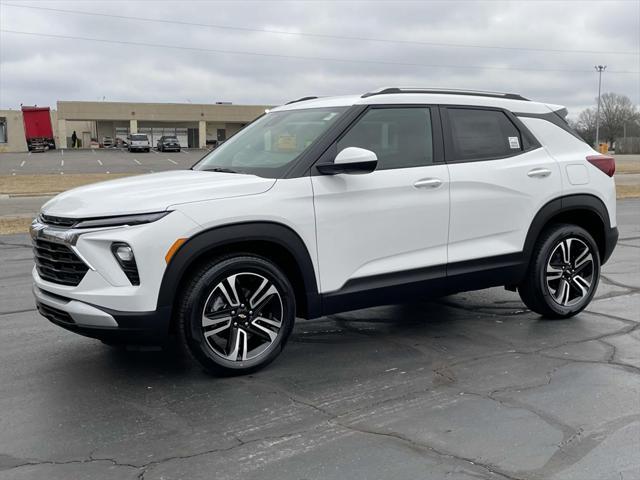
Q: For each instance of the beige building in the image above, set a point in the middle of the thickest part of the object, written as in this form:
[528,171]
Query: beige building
[195,125]
[12,137]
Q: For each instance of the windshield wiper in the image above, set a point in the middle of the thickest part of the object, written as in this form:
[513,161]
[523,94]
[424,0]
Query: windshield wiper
[220,169]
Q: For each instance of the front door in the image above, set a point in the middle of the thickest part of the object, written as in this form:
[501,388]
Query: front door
[387,227]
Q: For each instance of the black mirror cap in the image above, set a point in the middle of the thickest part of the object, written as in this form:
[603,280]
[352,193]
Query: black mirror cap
[354,168]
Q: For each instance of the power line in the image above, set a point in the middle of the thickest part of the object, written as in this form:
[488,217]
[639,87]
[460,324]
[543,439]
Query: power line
[293,57]
[318,35]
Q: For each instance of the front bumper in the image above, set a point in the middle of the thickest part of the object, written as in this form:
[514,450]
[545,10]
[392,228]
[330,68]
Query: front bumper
[102,323]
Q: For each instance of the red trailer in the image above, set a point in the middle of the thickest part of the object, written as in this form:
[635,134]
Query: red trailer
[37,128]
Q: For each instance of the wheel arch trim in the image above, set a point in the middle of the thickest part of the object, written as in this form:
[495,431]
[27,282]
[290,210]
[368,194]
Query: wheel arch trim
[238,233]
[568,203]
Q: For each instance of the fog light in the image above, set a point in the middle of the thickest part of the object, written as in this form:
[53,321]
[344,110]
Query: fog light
[124,253]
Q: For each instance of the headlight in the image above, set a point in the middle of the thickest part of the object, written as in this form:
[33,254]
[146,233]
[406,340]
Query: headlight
[121,221]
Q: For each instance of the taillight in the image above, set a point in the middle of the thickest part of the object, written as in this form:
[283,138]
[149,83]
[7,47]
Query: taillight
[604,163]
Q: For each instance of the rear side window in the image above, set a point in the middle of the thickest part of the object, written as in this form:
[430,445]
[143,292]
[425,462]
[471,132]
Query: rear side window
[400,137]
[481,134]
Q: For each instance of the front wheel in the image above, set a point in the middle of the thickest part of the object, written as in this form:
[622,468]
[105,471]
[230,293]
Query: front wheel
[236,314]
[563,274]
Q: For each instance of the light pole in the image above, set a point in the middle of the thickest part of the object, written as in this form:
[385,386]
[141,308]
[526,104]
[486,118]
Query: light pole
[599,69]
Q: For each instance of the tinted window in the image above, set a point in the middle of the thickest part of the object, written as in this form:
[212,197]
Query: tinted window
[478,134]
[400,137]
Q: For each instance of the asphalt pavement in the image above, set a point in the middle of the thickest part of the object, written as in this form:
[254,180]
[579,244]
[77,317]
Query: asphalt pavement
[111,160]
[472,386]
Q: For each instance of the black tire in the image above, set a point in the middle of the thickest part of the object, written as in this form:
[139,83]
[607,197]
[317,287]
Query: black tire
[537,290]
[197,295]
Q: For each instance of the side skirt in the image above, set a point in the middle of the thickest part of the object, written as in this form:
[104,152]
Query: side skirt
[425,283]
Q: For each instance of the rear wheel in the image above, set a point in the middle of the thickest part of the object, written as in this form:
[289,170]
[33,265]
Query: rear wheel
[236,314]
[563,274]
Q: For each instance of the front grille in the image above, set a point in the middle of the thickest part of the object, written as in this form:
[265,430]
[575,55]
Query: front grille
[58,221]
[54,314]
[57,263]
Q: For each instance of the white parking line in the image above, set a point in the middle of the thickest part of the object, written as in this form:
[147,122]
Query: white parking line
[154,151]
[99,162]
[184,151]
[136,160]
[172,161]
[62,162]
[22,164]
[61,152]
[29,154]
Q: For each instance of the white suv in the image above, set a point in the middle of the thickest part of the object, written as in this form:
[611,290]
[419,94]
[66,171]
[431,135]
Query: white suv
[138,141]
[326,205]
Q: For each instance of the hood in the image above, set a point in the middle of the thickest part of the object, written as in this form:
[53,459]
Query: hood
[152,193]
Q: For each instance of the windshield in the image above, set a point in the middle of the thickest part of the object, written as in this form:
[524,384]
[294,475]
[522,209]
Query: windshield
[268,146]
[138,137]
[170,139]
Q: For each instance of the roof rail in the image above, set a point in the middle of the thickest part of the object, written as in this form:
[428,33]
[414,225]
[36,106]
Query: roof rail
[300,100]
[445,91]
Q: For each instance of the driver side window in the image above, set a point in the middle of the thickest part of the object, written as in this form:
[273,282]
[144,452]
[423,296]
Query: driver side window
[400,137]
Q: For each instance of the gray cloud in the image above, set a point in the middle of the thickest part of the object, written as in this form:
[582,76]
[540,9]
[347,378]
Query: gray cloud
[42,70]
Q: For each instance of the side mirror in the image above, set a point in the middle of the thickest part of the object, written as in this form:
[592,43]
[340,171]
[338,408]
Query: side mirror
[351,160]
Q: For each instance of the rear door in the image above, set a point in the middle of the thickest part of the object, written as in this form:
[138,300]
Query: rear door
[386,227]
[500,177]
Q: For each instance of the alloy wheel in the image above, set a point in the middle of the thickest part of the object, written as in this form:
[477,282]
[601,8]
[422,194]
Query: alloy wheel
[570,272]
[242,317]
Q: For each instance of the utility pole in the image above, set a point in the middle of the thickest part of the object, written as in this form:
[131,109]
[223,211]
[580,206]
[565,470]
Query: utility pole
[599,69]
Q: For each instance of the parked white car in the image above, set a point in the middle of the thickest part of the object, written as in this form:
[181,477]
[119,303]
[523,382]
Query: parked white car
[332,204]
[138,141]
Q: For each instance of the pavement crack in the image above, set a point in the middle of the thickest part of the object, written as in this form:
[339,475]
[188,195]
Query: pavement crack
[37,462]
[15,245]
[422,446]
[11,312]
[609,280]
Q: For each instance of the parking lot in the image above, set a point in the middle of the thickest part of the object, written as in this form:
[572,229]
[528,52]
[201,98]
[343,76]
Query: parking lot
[110,160]
[472,386]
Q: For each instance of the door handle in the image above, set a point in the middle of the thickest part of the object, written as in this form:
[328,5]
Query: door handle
[539,172]
[428,183]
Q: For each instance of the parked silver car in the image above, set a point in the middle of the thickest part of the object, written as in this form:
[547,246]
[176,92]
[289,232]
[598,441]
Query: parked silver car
[138,141]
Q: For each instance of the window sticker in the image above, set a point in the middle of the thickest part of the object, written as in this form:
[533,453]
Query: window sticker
[286,143]
[514,143]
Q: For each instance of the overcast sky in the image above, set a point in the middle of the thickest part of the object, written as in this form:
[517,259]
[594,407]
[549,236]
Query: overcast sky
[552,48]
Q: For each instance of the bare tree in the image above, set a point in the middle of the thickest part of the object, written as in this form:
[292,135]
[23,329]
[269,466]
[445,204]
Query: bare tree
[616,111]
[585,125]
